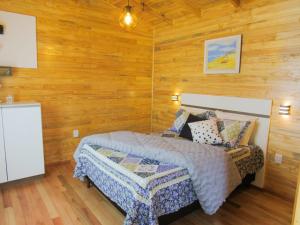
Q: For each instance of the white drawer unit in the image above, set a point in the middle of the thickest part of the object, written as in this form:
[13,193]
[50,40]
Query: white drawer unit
[21,141]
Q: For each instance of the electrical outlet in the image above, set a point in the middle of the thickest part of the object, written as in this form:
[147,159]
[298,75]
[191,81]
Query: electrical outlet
[75,133]
[278,158]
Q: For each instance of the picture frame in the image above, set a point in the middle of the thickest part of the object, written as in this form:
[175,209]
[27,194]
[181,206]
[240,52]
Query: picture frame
[223,55]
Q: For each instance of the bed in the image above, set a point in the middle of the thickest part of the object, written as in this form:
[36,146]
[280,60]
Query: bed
[151,175]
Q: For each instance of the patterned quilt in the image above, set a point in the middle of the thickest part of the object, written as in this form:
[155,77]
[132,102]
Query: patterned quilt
[145,189]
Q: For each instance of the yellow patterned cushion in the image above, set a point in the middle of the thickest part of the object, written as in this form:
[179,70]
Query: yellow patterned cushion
[232,131]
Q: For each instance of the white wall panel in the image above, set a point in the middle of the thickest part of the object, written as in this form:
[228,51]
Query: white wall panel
[18,43]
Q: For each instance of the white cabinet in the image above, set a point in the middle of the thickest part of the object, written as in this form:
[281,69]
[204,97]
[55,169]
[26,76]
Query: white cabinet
[3,173]
[23,142]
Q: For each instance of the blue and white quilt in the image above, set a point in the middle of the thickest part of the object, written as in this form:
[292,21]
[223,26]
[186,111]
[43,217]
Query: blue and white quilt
[208,174]
[144,188]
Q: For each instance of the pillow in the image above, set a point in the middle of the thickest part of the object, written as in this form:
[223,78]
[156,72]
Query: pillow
[180,121]
[207,115]
[197,111]
[206,132]
[249,131]
[182,115]
[232,131]
[186,131]
[179,112]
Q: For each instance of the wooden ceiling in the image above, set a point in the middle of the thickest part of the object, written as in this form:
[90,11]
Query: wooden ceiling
[166,11]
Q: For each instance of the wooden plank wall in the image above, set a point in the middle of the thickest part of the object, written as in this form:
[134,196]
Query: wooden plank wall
[270,68]
[296,214]
[91,75]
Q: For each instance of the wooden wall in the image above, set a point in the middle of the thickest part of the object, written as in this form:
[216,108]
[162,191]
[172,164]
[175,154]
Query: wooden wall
[91,75]
[270,68]
[296,214]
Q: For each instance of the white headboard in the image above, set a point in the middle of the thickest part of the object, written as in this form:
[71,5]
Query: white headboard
[258,108]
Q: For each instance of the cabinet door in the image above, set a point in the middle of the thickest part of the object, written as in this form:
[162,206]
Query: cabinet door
[3,175]
[23,142]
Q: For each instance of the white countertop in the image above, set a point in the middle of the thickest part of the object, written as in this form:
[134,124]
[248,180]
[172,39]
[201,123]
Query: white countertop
[19,104]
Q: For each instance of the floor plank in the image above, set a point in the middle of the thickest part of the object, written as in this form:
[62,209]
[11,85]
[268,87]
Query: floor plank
[59,199]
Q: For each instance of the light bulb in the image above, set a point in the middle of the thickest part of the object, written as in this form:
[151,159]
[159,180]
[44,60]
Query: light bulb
[128,19]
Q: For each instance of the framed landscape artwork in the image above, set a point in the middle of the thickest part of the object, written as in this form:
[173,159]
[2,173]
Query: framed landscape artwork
[222,55]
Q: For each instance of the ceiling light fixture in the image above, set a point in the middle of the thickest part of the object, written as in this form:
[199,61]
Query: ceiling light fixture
[128,19]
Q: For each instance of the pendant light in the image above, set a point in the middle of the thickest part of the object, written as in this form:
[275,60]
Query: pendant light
[128,19]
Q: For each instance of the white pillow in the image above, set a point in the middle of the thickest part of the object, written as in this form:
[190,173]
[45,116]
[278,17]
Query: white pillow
[206,132]
[232,116]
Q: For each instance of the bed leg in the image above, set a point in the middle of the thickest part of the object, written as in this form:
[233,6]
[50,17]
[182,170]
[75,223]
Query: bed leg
[88,182]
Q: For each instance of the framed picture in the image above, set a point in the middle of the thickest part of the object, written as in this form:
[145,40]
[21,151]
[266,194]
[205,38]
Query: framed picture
[222,55]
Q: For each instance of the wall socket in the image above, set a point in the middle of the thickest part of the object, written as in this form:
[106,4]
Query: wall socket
[76,133]
[278,158]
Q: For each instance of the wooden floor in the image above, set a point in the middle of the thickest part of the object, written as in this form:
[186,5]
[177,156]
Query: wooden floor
[58,199]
